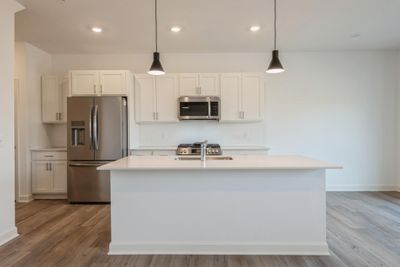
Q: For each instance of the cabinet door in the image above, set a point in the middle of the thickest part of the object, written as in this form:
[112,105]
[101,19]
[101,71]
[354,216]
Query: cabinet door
[209,84]
[144,98]
[41,177]
[50,99]
[188,84]
[113,82]
[166,98]
[59,170]
[84,83]
[252,97]
[63,100]
[231,108]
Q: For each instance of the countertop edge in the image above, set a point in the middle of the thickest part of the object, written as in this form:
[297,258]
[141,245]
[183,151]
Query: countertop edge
[62,149]
[218,168]
[149,148]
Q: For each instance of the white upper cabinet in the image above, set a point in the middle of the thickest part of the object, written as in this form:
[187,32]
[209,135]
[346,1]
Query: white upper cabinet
[209,84]
[145,98]
[252,97]
[231,96]
[84,83]
[199,84]
[166,98]
[54,99]
[113,82]
[188,84]
[94,82]
[242,97]
[156,98]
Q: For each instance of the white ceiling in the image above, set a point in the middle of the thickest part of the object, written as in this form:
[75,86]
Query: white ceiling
[209,26]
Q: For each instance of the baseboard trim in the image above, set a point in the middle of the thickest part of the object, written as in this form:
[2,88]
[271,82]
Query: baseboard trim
[371,188]
[25,198]
[50,196]
[178,248]
[9,235]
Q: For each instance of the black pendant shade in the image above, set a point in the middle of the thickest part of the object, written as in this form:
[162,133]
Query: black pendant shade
[156,68]
[275,66]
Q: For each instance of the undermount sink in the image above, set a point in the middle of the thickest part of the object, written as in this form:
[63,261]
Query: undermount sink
[207,158]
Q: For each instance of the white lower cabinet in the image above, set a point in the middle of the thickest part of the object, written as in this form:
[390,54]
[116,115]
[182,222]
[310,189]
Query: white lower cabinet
[59,170]
[49,172]
[41,177]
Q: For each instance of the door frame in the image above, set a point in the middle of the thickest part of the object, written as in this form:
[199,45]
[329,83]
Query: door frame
[16,138]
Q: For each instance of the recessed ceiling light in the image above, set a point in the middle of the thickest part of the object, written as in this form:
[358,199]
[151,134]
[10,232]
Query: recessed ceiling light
[97,29]
[255,28]
[176,29]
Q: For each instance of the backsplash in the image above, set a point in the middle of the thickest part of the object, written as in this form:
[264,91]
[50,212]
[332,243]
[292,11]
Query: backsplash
[191,131]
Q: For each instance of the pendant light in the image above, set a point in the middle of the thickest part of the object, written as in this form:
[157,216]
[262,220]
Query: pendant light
[275,66]
[156,68]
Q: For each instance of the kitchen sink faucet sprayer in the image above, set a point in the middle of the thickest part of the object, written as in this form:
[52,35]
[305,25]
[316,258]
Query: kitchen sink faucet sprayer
[203,153]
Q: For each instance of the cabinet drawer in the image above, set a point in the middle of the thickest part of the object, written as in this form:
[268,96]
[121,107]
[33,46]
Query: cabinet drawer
[49,155]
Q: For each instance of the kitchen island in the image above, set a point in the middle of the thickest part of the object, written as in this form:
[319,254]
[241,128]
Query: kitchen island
[241,205]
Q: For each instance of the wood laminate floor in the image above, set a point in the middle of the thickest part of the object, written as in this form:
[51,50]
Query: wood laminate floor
[363,230]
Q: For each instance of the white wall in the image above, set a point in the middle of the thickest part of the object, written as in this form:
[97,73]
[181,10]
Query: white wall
[31,63]
[7,206]
[340,107]
[336,106]
[398,120]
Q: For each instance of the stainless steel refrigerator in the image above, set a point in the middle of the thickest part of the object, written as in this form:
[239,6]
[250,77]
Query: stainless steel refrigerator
[97,134]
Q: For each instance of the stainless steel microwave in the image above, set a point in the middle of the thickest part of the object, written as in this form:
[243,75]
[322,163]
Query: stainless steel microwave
[199,108]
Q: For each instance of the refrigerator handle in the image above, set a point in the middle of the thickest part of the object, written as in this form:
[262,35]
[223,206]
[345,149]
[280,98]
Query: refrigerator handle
[95,127]
[91,128]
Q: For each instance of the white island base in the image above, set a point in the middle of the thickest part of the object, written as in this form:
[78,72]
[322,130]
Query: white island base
[218,208]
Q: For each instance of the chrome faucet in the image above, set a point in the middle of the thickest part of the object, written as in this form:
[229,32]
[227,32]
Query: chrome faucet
[203,151]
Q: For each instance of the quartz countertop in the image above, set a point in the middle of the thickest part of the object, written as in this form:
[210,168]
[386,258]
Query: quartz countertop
[254,162]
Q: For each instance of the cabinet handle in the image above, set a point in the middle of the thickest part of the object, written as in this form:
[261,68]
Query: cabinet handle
[51,166]
[101,89]
[47,166]
[94,88]
[60,116]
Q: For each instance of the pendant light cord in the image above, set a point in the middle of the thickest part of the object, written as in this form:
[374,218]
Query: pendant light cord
[156,23]
[274,24]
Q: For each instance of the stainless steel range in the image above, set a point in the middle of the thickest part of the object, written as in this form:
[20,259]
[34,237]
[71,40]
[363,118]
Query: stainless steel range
[195,149]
